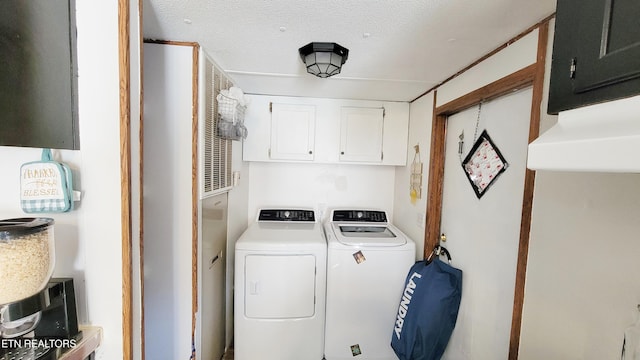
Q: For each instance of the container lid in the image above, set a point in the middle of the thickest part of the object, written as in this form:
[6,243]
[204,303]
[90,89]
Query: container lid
[12,228]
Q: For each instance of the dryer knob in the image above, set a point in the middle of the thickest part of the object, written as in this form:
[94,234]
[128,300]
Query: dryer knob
[287,214]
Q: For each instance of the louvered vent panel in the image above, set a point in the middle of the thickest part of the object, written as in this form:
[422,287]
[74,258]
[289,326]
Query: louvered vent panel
[229,157]
[208,128]
[217,143]
[218,151]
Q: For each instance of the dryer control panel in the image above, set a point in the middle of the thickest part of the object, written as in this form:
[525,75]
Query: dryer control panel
[287,215]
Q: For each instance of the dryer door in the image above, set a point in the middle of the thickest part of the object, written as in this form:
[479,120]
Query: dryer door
[280,286]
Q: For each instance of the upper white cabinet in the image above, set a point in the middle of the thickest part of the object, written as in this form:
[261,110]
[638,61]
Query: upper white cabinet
[292,131]
[339,131]
[361,131]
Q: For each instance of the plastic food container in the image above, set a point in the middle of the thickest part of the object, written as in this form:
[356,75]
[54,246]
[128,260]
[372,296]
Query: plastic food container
[27,257]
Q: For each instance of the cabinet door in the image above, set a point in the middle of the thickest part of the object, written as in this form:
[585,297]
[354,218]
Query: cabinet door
[211,277]
[361,134]
[596,52]
[38,74]
[292,132]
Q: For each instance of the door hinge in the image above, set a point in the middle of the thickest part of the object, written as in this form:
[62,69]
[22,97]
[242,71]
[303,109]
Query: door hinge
[270,107]
[572,69]
[384,112]
[381,156]
[269,153]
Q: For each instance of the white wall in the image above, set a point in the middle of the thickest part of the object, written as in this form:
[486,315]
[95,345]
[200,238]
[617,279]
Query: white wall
[508,60]
[582,287]
[99,102]
[88,243]
[411,216]
[238,202]
[320,186]
[582,284]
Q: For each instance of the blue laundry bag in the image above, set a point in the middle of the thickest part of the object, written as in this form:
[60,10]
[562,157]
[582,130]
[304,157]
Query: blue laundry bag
[428,311]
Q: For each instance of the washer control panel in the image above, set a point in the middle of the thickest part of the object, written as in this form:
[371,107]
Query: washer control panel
[287,215]
[360,216]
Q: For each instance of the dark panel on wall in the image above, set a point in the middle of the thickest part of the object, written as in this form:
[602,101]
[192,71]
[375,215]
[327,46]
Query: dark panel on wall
[38,76]
[596,52]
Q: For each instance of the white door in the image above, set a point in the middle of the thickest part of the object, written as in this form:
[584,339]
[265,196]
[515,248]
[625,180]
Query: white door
[483,234]
[211,281]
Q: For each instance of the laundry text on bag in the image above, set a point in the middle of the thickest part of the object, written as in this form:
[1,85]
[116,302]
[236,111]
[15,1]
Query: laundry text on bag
[404,303]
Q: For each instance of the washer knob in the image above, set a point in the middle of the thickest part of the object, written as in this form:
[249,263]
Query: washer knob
[359,214]
[287,214]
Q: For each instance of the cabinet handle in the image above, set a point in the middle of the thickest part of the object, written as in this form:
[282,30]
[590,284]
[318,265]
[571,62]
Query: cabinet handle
[572,69]
[341,152]
[213,261]
[310,152]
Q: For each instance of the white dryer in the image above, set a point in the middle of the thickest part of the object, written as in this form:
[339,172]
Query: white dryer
[368,260]
[280,284]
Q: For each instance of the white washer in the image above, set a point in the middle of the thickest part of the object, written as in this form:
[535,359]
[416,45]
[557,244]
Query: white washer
[368,260]
[280,285]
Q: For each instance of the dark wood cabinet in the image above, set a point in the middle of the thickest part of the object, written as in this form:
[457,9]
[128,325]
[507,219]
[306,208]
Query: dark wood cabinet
[596,52]
[38,74]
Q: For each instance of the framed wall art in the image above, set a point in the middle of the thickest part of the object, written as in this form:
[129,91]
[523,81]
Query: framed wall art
[484,164]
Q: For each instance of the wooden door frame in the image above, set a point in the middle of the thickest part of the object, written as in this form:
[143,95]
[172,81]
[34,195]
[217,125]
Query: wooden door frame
[532,75]
[124,62]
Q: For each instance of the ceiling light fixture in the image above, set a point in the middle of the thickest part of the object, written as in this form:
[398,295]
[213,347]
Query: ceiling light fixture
[323,59]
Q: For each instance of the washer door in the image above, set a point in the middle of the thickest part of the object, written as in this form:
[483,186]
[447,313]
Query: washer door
[280,286]
[354,234]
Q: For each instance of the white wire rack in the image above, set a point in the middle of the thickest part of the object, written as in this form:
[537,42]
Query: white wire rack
[231,121]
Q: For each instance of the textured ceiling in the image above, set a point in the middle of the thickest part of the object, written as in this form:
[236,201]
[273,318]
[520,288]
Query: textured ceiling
[398,49]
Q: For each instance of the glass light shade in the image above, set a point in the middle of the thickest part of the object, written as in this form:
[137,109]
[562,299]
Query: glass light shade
[323,59]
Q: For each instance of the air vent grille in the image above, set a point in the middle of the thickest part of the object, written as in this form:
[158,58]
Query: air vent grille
[218,152]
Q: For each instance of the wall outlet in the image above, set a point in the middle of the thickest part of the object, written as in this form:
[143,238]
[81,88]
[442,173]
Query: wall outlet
[236,178]
[421,220]
[322,209]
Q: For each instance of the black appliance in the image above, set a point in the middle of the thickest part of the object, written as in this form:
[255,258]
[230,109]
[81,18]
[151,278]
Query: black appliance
[56,330]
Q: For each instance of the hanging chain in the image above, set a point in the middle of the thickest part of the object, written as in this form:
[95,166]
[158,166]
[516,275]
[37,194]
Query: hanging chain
[475,134]
[460,145]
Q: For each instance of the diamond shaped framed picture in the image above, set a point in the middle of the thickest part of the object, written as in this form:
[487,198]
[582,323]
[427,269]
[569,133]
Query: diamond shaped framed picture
[484,164]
